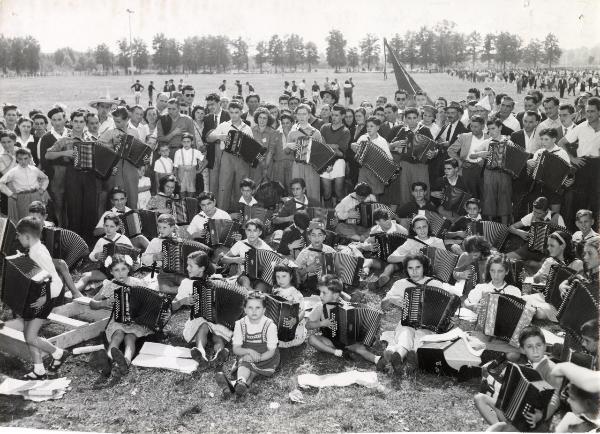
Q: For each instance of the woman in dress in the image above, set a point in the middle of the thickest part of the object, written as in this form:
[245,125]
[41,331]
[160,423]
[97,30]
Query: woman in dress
[264,134]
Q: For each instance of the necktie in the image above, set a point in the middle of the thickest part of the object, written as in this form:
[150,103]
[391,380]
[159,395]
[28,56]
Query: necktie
[448,132]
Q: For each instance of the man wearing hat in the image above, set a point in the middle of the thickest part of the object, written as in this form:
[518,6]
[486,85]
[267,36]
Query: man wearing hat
[328,96]
[103,105]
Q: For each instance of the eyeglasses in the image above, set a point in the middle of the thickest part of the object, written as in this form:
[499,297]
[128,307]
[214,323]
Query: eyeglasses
[190,95]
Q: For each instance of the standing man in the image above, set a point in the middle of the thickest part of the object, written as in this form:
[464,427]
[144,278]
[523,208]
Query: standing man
[92,124]
[252,101]
[336,135]
[151,90]
[103,106]
[232,168]
[188,97]
[171,134]
[510,124]
[302,88]
[40,123]
[136,114]
[447,137]
[528,139]
[137,88]
[223,88]
[161,103]
[552,120]
[562,85]
[216,115]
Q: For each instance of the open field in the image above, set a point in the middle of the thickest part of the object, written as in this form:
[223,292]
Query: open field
[77,91]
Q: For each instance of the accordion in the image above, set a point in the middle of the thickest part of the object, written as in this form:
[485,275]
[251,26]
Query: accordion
[8,235]
[285,316]
[494,232]
[352,323]
[503,316]
[438,224]
[579,306]
[317,154]
[551,171]
[183,209]
[51,238]
[175,252]
[373,158]
[260,264]
[556,275]
[538,235]
[136,152]
[523,390]
[65,244]
[94,156]
[23,283]
[348,268]
[141,306]
[244,146]
[417,147]
[367,209]
[218,301]
[257,212]
[326,215]
[111,249]
[148,221]
[385,244]
[429,307]
[220,232]
[442,262]
[507,157]
[454,199]
[131,224]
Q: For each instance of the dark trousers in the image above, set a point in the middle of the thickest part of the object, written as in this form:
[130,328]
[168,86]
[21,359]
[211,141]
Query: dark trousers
[471,175]
[80,197]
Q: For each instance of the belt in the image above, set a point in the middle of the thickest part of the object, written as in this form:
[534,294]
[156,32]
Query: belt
[469,164]
[33,190]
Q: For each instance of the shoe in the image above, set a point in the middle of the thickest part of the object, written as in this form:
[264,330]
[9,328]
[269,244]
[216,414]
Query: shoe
[200,358]
[35,377]
[347,355]
[381,364]
[221,357]
[106,365]
[383,280]
[411,362]
[241,388]
[223,382]
[121,364]
[397,363]
[57,363]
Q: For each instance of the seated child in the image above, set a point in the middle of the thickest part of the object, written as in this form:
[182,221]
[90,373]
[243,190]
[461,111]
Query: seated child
[284,289]
[420,234]
[255,345]
[167,191]
[330,289]
[29,231]
[38,210]
[246,200]
[187,163]
[207,202]
[560,252]
[118,199]
[294,238]
[299,201]
[458,230]
[144,188]
[533,344]
[496,271]
[118,333]
[309,258]
[584,220]
[197,330]
[111,225]
[163,166]
[419,202]
[23,184]
[237,254]
[451,179]
[584,415]
[470,269]
[348,215]
[404,341]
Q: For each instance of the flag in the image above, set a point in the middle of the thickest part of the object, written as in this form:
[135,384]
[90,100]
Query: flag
[403,78]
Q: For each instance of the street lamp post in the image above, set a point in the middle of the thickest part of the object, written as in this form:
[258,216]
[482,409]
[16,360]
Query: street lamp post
[129,12]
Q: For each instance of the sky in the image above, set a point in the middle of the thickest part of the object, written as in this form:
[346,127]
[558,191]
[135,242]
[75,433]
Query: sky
[84,24]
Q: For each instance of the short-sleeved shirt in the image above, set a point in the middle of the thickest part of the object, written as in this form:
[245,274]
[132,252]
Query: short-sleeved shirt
[395,228]
[238,338]
[185,289]
[187,157]
[589,140]
[40,255]
[350,203]
[199,221]
[528,219]
[240,248]
[163,165]
[309,256]
[225,127]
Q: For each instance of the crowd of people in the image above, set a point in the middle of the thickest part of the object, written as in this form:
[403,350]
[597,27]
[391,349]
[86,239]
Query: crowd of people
[456,180]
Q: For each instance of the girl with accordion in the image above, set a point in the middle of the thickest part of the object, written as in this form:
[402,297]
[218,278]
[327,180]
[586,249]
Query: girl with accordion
[420,236]
[118,333]
[404,341]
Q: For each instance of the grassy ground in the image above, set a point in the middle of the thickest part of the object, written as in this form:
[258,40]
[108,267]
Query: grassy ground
[77,91]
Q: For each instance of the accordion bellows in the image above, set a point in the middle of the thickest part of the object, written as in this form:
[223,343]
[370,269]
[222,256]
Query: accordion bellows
[373,158]
[503,316]
[135,151]
[367,209]
[556,275]
[352,323]
[260,264]
[494,232]
[218,301]
[551,170]
[579,306]
[65,244]
[429,307]
[8,235]
[220,232]
[317,154]
[175,252]
[142,306]
[442,262]
[244,146]
[94,156]
[538,235]
[386,244]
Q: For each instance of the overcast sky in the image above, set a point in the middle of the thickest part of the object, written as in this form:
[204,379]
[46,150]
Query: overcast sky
[83,24]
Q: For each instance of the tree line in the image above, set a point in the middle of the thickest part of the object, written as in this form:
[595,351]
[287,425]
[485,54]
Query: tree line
[438,47]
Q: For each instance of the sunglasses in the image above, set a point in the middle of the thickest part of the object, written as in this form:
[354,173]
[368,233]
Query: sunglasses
[190,95]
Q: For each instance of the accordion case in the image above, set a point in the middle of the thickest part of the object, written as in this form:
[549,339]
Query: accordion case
[218,301]
[244,146]
[317,154]
[507,157]
[175,252]
[352,323]
[503,316]
[373,158]
[429,307]
[450,358]
[23,283]
[285,316]
[142,306]
[523,390]
[136,152]
[442,262]
[579,306]
[551,171]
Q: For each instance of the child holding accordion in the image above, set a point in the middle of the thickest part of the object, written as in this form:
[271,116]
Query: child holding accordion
[118,333]
[284,289]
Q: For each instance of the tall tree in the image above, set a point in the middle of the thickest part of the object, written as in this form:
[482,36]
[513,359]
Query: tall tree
[276,52]
[443,43]
[410,54]
[311,54]
[508,49]
[294,51]
[425,40]
[239,57]
[458,46]
[161,55]
[189,54]
[552,49]
[103,57]
[123,59]
[64,57]
[533,53]
[4,53]
[173,54]
[218,52]
[336,49]
[140,54]
[397,45]
[489,45]
[31,54]
[353,58]
[262,54]
[473,43]
[369,50]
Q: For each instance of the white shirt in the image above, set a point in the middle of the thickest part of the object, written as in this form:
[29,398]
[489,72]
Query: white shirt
[528,219]
[380,142]
[450,127]
[589,140]
[23,179]
[225,127]
[113,210]
[512,123]
[24,143]
[475,145]
[556,150]
[481,289]
[163,165]
[142,130]
[238,338]
[187,157]
[40,255]
[531,141]
[108,124]
[549,123]
[200,219]
[240,248]
[118,239]
[395,228]
[252,201]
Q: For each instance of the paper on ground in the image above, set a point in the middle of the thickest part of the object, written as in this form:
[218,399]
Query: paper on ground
[342,379]
[186,366]
[156,349]
[35,390]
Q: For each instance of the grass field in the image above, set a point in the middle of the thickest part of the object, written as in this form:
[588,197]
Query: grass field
[77,91]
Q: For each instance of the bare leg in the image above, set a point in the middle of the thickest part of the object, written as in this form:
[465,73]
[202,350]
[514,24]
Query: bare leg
[129,346]
[485,405]
[362,351]
[115,341]
[31,331]
[321,344]
[202,338]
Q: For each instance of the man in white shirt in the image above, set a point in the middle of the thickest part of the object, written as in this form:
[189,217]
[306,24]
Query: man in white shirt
[565,114]
[232,169]
[551,105]
[103,106]
[208,212]
[505,115]
[136,113]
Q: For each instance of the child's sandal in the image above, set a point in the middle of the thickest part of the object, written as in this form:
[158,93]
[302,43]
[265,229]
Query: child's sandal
[57,363]
[33,376]
[223,382]
[241,388]
[221,357]
[121,362]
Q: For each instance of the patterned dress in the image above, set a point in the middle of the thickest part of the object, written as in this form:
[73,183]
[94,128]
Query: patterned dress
[108,292]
